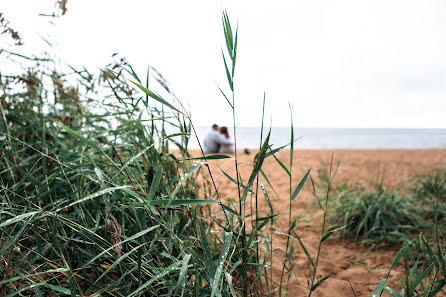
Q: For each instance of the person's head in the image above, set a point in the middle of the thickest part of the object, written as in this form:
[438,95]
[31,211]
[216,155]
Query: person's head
[215,127]
[224,131]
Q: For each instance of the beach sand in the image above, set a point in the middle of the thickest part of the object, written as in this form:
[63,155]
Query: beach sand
[398,166]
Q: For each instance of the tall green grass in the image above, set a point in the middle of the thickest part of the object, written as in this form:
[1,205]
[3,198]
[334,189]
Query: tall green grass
[95,202]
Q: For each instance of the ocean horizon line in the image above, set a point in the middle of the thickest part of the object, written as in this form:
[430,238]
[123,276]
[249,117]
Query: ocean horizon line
[322,127]
[337,138]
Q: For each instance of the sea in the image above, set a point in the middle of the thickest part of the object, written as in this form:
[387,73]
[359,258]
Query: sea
[336,138]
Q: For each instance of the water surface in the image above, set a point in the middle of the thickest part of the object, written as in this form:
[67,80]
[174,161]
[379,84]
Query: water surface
[339,138]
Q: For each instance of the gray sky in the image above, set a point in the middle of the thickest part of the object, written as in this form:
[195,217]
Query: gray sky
[341,63]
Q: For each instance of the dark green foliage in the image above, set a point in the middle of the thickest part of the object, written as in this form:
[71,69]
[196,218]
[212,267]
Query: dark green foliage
[79,190]
[379,216]
[373,216]
[94,202]
[424,268]
[432,185]
[426,190]
[92,199]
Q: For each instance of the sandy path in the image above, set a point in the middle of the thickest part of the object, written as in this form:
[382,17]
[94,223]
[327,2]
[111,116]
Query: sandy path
[399,166]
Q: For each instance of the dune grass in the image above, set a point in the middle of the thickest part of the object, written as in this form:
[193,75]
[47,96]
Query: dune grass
[95,202]
[377,216]
[374,217]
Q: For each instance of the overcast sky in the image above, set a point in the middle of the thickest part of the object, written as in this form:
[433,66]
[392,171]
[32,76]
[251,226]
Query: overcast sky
[341,63]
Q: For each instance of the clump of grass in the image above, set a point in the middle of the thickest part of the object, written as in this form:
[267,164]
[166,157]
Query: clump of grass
[429,195]
[373,216]
[426,190]
[377,216]
[424,269]
[431,185]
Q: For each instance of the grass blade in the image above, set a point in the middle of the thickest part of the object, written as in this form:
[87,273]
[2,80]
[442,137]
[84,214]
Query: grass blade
[300,186]
[221,261]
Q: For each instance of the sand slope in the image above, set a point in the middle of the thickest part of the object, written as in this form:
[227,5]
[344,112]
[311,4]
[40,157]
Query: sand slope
[399,166]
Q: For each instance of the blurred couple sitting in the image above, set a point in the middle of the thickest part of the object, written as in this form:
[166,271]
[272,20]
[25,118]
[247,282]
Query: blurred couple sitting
[217,141]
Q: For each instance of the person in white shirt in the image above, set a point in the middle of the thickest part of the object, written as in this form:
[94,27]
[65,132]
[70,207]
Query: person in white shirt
[213,140]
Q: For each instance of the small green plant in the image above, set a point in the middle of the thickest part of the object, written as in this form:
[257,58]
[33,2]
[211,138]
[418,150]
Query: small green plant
[432,185]
[421,278]
[426,190]
[373,217]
